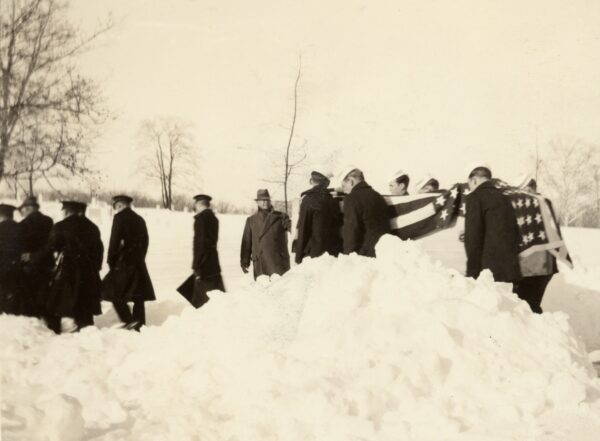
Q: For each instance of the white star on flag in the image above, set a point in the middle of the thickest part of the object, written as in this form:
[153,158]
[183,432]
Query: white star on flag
[463,208]
[453,193]
[531,237]
[542,235]
[536,203]
[441,200]
[525,239]
[514,204]
[538,218]
[528,219]
[528,202]
[444,214]
[520,221]
[520,203]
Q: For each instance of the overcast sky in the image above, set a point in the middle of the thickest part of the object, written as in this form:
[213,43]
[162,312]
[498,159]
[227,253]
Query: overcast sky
[415,85]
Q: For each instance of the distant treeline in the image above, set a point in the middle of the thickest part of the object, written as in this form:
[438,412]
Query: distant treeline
[180,202]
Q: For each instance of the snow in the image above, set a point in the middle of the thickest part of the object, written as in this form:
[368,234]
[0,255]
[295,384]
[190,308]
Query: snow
[399,347]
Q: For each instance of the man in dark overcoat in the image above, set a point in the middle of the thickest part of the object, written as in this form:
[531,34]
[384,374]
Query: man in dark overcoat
[127,279]
[265,241]
[37,266]
[11,246]
[319,221]
[491,231]
[366,216]
[75,284]
[205,262]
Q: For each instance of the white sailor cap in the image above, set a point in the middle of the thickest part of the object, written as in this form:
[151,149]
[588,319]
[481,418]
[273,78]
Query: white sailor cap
[344,172]
[397,175]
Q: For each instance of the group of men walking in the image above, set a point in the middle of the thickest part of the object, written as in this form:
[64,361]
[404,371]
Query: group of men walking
[52,271]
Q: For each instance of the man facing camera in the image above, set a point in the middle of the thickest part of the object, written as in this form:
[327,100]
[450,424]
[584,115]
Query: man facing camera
[265,242]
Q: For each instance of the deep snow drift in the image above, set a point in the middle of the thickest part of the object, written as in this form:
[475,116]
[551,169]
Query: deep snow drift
[394,348]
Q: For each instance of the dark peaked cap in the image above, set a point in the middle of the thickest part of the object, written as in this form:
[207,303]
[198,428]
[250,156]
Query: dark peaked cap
[122,198]
[202,197]
[7,210]
[73,205]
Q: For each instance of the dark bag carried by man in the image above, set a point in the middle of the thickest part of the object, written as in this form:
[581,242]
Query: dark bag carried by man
[195,289]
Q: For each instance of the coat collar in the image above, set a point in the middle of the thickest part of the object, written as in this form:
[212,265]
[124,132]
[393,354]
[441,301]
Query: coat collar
[272,217]
[360,186]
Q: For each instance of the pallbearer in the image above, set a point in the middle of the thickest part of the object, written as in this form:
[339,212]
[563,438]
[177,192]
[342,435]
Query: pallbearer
[205,263]
[75,284]
[10,257]
[366,216]
[319,222]
[37,269]
[128,280]
[399,184]
[491,231]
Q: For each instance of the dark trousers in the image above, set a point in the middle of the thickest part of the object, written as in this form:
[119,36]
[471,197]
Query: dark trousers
[532,289]
[128,316]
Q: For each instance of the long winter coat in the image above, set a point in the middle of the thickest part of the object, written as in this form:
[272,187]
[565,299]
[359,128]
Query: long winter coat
[75,285]
[11,247]
[366,219]
[127,279]
[265,243]
[36,231]
[491,234]
[319,225]
[206,235]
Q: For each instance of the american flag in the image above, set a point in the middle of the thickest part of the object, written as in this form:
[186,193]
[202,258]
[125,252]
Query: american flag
[413,217]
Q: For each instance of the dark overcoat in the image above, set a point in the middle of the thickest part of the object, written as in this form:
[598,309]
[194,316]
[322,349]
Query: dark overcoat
[265,243]
[75,284]
[366,219]
[11,247]
[491,234]
[127,279]
[36,231]
[206,235]
[319,225]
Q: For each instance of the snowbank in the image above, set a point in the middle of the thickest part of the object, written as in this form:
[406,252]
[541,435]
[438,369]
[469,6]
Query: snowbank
[394,348]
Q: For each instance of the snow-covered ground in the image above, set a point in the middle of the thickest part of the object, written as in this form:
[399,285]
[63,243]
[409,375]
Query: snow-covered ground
[399,347]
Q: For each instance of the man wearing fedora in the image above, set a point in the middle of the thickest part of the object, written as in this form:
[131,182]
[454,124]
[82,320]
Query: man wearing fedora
[128,279]
[11,247]
[265,241]
[319,221]
[75,283]
[37,268]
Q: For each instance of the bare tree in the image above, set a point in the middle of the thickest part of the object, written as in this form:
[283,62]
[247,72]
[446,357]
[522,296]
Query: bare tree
[168,148]
[48,149]
[39,78]
[293,157]
[566,173]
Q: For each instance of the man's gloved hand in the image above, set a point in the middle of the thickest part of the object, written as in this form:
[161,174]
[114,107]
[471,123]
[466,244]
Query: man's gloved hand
[287,223]
[245,268]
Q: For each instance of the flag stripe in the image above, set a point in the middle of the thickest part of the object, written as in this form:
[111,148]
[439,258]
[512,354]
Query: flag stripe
[413,216]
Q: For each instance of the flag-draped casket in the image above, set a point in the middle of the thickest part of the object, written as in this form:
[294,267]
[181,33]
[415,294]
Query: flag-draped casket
[413,217]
